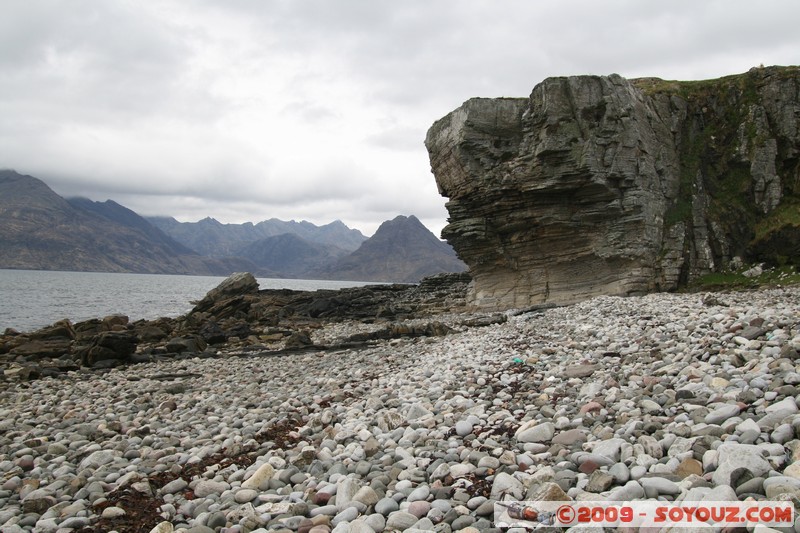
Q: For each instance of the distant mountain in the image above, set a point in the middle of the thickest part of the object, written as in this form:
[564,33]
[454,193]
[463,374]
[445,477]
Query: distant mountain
[40,230]
[290,255]
[402,250]
[124,216]
[335,233]
[215,239]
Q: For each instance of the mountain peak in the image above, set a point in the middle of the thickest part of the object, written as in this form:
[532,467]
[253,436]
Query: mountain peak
[401,250]
[408,228]
[108,236]
[43,231]
[23,191]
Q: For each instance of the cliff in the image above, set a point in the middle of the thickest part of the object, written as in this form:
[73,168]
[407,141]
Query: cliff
[601,185]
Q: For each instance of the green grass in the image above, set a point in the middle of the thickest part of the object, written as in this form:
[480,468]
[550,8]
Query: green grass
[718,281]
[708,146]
[689,89]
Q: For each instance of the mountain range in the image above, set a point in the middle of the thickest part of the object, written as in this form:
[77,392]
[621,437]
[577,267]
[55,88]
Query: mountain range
[215,239]
[40,230]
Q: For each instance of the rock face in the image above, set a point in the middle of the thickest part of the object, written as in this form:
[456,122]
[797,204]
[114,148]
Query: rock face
[601,185]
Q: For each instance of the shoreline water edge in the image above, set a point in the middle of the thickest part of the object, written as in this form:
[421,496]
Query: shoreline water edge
[394,408]
[33,299]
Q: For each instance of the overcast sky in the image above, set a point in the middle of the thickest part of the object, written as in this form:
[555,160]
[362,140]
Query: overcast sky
[317,110]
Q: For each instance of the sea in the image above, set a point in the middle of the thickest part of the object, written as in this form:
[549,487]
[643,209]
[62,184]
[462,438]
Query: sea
[32,299]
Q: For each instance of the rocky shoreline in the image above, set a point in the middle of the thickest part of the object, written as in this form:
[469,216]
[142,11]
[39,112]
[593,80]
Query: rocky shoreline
[237,317]
[409,418]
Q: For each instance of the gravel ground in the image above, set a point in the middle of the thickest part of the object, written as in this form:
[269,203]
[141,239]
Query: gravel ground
[663,396]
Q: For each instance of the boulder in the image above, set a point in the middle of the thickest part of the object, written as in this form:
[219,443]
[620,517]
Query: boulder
[150,333]
[108,349]
[188,343]
[298,340]
[213,334]
[43,349]
[87,329]
[401,329]
[228,297]
[19,372]
[62,329]
[47,343]
[115,323]
[601,185]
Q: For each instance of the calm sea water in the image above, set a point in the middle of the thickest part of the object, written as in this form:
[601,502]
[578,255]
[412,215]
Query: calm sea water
[30,299]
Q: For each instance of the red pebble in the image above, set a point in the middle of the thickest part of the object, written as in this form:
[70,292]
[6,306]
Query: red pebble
[321,498]
[587,467]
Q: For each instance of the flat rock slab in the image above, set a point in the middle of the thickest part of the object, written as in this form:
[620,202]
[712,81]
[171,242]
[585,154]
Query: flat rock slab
[581,371]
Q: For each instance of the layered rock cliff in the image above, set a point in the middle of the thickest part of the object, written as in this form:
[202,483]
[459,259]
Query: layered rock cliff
[601,185]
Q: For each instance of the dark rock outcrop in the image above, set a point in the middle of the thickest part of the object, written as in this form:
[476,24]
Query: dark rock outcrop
[109,348]
[234,316]
[601,185]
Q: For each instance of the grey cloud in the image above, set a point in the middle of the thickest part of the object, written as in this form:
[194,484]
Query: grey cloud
[92,54]
[398,138]
[317,105]
[309,111]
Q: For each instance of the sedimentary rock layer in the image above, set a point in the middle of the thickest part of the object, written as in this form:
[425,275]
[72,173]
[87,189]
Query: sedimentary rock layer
[602,185]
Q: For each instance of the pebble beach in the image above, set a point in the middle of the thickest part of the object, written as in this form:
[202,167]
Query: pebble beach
[664,396]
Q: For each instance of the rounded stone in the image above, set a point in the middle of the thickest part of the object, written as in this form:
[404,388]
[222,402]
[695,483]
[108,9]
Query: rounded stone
[207,487]
[536,433]
[659,485]
[400,520]
[420,493]
[462,522]
[463,428]
[112,512]
[347,515]
[386,506]
[366,495]
[620,472]
[264,473]
[174,486]
[376,521]
[245,495]
[722,413]
[419,508]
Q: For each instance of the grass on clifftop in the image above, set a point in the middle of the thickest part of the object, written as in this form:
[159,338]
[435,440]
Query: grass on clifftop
[770,277]
[693,88]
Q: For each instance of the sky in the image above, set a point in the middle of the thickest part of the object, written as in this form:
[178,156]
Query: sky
[245,110]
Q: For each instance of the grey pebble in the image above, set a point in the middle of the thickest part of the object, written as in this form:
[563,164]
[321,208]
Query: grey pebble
[413,424]
[385,506]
